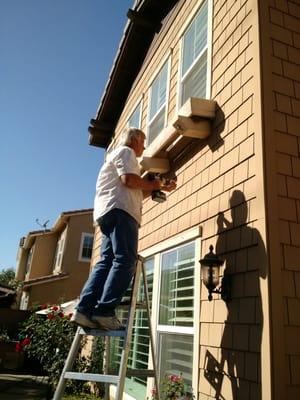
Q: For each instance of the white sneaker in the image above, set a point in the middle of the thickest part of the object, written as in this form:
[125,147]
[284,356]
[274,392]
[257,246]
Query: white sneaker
[108,323]
[82,320]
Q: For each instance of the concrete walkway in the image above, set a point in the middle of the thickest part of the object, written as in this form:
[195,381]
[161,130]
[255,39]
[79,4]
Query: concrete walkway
[22,387]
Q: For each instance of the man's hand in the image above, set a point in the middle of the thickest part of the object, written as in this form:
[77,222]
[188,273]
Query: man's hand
[168,186]
[222,222]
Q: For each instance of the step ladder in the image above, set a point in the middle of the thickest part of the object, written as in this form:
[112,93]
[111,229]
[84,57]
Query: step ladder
[117,379]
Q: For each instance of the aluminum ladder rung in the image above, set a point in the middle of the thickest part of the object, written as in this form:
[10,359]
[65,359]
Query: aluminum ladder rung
[140,373]
[92,377]
[137,373]
[99,332]
[139,305]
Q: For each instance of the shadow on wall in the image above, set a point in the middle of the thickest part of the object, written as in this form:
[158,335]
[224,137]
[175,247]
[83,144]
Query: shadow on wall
[237,374]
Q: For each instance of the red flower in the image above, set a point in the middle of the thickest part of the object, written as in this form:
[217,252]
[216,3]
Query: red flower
[61,314]
[25,342]
[175,378]
[50,316]
[70,315]
[18,347]
[55,308]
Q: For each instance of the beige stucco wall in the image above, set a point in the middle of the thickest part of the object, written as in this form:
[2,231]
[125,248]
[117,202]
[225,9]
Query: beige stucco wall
[42,256]
[77,270]
[242,187]
[77,224]
[51,293]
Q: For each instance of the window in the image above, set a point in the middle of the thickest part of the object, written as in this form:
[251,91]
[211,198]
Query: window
[59,252]
[134,120]
[176,355]
[172,297]
[158,103]
[28,261]
[86,247]
[176,315]
[194,57]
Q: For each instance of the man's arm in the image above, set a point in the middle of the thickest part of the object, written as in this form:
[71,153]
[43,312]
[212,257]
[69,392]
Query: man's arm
[136,182]
[133,181]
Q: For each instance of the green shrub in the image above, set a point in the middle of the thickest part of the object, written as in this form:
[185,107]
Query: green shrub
[81,397]
[47,339]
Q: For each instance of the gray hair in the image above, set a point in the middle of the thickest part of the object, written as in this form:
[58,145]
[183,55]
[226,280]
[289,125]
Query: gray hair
[130,134]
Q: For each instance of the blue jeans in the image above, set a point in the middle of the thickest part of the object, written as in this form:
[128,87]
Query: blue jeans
[111,276]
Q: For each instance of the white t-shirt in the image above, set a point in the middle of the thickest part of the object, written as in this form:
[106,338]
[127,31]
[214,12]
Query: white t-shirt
[111,192]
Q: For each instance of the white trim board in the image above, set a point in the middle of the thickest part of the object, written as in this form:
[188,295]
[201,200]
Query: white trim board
[176,240]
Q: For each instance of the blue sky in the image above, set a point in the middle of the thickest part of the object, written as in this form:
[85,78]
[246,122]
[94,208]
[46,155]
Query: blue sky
[56,56]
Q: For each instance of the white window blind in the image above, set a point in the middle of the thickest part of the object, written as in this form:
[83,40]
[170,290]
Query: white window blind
[177,287]
[194,57]
[176,355]
[158,98]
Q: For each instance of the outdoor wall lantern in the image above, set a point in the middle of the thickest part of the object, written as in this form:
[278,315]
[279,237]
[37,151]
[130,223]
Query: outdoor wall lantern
[210,267]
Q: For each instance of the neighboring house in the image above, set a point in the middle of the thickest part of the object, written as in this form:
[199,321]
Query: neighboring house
[215,85]
[53,264]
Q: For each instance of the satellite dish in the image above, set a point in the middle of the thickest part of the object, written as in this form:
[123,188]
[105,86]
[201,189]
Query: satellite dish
[44,225]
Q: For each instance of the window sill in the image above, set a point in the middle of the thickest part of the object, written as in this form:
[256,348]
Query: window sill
[192,122]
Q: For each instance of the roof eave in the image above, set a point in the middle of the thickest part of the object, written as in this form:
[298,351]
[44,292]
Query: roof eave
[144,22]
[44,279]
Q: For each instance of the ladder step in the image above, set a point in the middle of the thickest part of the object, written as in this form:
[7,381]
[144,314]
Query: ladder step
[92,377]
[139,305]
[99,332]
[140,373]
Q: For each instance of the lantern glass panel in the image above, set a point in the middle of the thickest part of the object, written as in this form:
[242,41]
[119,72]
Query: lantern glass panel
[205,275]
[215,275]
[210,276]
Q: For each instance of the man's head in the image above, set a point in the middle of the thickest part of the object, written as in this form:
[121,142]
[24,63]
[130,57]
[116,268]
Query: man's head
[134,138]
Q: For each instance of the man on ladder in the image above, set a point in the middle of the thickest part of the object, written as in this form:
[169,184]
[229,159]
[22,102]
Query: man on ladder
[117,210]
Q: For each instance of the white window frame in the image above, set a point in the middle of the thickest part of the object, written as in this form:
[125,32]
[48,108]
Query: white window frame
[191,235]
[208,48]
[166,59]
[83,235]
